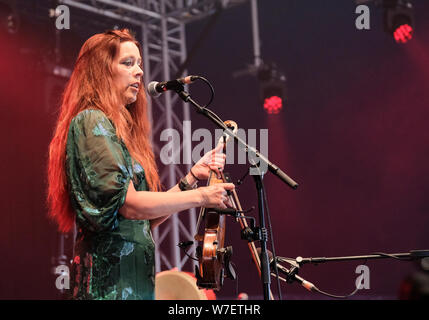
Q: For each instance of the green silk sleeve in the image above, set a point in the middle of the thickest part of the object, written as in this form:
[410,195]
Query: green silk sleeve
[99,170]
[114,257]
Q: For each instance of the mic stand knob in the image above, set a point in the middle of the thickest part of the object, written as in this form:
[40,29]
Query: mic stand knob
[291,275]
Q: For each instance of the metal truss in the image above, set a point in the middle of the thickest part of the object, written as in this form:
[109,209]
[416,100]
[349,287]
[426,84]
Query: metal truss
[162,25]
[138,11]
[164,51]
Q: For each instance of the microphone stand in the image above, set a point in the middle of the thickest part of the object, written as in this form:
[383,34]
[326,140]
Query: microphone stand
[412,255]
[265,264]
[292,273]
[257,175]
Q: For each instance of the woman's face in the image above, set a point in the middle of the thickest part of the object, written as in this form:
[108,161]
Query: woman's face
[127,71]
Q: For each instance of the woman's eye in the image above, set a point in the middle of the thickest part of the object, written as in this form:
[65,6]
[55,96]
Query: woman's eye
[127,63]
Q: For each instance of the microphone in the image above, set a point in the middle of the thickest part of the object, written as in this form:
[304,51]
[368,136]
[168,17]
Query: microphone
[185,244]
[290,275]
[231,211]
[155,88]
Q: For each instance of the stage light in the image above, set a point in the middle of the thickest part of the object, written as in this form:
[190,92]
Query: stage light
[403,33]
[273,104]
[272,86]
[399,19]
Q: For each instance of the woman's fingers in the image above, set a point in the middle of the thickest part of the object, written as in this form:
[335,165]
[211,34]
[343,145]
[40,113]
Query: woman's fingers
[215,196]
[215,160]
[219,159]
[228,203]
[227,186]
[219,147]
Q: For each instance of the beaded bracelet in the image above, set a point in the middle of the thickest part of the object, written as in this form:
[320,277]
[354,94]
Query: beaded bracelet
[184,185]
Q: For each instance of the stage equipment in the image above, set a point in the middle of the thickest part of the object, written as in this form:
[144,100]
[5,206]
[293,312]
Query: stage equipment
[294,265]
[272,86]
[259,166]
[399,19]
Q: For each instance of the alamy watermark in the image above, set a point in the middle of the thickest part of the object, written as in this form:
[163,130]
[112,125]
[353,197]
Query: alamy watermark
[62,17]
[63,280]
[170,152]
[362,281]
[362,22]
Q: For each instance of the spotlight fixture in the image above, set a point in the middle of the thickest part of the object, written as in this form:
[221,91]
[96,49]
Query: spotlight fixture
[272,86]
[399,19]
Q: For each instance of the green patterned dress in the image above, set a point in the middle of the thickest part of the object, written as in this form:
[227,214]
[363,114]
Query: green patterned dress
[114,256]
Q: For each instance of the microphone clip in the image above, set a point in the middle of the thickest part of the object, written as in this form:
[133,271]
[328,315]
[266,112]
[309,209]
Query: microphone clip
[185,244]
[232,212]
[254,234]
[290,276]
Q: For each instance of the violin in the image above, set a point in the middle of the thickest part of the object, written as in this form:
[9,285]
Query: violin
[213,257]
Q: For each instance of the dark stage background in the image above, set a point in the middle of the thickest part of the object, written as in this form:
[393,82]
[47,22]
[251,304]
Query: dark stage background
[353,134]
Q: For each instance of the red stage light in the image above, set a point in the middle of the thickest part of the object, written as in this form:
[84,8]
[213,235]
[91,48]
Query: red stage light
[403,33]
[273,104]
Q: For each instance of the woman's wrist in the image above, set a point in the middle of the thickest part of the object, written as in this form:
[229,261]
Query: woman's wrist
[194,176]
[201,197]
[191,179]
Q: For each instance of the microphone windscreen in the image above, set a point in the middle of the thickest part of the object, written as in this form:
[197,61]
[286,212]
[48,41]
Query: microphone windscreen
[151,89]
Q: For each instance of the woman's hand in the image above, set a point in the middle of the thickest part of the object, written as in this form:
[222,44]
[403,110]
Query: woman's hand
[215,196]
[212,160]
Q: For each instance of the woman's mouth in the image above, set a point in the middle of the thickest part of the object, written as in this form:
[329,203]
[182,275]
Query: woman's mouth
[135,86]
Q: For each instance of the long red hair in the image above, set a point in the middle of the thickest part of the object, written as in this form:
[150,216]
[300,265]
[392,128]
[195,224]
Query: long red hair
[90,86]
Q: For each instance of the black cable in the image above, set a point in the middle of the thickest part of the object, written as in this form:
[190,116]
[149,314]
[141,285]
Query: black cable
[211,99]
[315,289]
[211,90]
[213,114]
[335,296]
[339,297]
[186,252]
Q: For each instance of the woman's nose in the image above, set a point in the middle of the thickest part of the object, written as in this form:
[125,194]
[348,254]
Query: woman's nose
[139,71]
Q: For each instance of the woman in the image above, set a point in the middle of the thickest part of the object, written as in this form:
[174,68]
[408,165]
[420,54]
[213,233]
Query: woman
[103,177]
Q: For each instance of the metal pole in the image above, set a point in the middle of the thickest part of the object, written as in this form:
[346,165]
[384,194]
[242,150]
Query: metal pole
[255,33]
[174,235]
